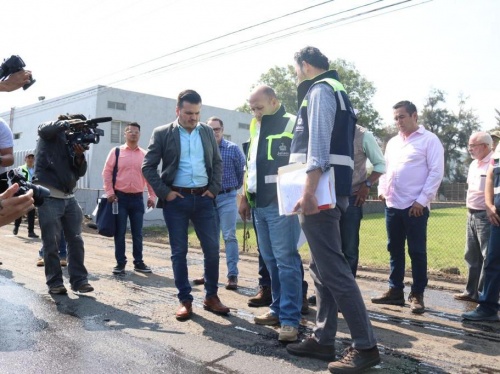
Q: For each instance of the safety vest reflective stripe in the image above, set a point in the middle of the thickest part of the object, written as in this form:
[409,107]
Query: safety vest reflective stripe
[333,160]
[342,160]
[341,100]
[270,178]
[338,87]
[298,158]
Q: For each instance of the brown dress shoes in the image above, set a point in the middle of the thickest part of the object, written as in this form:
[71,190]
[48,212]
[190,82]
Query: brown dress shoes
[199,281]
[185,311]
[214,305]
[232,283]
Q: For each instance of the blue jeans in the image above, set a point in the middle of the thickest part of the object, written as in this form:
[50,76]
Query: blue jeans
[264,277]
[400,228]
[227,212]
[278,236]
[201,211]
[476,248]
[129,206]
[62,248]
[56,215]
[488,299]
[350,222]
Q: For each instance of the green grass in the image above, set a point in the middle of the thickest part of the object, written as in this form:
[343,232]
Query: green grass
[445,240]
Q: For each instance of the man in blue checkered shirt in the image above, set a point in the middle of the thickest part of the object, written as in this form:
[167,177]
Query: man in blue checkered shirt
[233,163]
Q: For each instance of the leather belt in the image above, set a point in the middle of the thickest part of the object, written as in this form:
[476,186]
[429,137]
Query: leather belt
[227,190]
[472,211]
[188,190]
[129,193]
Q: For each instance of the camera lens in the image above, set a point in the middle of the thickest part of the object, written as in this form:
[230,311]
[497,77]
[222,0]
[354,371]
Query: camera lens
[39,193]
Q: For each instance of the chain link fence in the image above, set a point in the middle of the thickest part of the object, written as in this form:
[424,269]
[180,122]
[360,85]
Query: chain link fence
[445,234]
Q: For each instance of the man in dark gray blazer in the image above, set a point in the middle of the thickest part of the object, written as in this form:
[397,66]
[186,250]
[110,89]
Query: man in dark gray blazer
[189,181]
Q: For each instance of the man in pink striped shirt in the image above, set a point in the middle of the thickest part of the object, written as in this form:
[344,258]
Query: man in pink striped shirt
[128,192]
[414,169]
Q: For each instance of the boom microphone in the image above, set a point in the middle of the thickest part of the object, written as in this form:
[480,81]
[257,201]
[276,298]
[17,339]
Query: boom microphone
[98,120]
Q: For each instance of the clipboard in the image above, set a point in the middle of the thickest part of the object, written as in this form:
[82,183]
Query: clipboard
[291,182]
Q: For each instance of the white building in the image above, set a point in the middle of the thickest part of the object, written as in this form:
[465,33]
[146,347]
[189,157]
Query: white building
[124,107]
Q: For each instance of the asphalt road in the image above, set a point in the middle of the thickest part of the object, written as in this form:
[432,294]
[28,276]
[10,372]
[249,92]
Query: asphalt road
[128,326]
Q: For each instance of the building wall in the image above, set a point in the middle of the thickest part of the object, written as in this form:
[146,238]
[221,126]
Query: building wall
[100,101]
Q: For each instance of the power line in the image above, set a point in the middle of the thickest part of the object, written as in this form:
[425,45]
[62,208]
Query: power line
[241,44]
[221,37]
[227,50]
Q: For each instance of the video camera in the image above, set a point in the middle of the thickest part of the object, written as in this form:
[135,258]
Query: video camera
[85,132]
[39,192]
[12,65]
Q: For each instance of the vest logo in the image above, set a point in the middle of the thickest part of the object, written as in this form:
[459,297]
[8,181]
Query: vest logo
[283,151]
[299,126]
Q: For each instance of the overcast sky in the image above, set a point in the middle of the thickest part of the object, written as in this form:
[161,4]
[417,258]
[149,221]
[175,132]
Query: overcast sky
[161,47]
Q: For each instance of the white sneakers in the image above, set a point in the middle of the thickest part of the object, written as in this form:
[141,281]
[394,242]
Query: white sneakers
[288,334]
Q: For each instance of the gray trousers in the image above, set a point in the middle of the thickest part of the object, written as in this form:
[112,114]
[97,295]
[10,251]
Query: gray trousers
[335,285]
[66,214]
[476,247]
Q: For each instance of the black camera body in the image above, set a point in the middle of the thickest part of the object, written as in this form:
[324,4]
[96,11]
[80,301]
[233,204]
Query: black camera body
[85,132]
[39,192]
[12,65]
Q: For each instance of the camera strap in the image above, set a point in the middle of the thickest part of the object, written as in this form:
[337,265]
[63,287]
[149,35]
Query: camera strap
[115,169]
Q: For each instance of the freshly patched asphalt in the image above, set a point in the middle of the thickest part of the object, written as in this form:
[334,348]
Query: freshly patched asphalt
[128,325]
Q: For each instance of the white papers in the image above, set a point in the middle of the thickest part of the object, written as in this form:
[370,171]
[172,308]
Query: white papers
[148,210]
[291,182]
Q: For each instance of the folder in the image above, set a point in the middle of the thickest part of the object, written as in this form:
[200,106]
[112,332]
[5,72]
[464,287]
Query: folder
[291,182]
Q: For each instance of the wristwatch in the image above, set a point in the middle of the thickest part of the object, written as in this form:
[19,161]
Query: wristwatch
[368,183]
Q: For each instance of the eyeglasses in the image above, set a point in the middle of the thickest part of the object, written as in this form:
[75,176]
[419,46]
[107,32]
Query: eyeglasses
[475,145]
[217,129]
[133,132]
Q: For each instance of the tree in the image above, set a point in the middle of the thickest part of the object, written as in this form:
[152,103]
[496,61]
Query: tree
[359,89]
[453,130]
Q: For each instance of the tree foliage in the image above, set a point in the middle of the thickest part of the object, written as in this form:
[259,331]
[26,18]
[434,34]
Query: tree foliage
[453,129]
[359,89]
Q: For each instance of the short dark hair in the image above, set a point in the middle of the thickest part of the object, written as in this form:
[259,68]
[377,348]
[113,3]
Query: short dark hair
[135,124]
[191,96]
[312,56]
[408,105]
[213,118]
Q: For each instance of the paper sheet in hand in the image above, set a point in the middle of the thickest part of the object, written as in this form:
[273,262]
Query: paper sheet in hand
[291,183]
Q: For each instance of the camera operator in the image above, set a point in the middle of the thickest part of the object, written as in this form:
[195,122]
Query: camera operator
[15,81]
[58,168]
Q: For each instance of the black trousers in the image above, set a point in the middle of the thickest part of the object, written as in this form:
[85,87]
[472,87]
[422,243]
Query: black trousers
[31,221]
[3,182]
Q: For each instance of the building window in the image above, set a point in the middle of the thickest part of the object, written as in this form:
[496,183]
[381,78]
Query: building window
[17,135]
[245,126]
[115,105]
[117,131]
